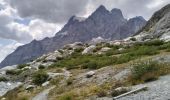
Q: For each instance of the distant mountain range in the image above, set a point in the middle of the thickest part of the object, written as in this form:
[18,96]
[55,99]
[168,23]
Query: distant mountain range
[110,25]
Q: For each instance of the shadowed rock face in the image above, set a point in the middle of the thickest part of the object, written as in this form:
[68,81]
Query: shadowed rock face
[159,25]
[102,23]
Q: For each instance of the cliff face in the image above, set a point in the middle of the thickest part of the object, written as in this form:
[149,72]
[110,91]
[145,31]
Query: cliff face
[159,25]
[109,25]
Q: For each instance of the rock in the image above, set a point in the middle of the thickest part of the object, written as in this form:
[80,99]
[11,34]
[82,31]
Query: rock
[26,68]
[103,50]
[52,75]
[120,49]
[46,83]
[30,87]
[97,40]
[122,74]
[3,99]
[120,90]
[89,49]
[54,56]
[5,87]
[90,74]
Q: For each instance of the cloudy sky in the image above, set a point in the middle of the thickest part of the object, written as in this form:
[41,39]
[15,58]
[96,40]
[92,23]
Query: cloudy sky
[21,21]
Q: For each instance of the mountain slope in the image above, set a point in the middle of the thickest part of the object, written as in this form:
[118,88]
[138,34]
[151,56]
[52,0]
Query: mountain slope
[158,26]
[109,25]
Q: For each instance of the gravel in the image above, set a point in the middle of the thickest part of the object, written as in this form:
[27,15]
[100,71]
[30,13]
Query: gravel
[157,90]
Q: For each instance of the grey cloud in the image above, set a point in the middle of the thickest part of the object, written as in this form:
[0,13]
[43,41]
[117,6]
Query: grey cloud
[59,11]
[12,32]
[56,11]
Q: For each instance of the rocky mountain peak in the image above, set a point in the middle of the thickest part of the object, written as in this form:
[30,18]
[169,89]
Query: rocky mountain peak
[117,13]
[101,8]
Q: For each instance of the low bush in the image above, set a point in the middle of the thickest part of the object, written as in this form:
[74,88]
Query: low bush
[3,79]
[67,96]
[13,72]
[22,66]
[145,71]
[154,43]
[41,67]
[133,39]
[40,77]
[90,65]
[69,81]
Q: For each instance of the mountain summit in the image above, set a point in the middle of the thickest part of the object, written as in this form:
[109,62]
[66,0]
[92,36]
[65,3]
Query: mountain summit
[110,25]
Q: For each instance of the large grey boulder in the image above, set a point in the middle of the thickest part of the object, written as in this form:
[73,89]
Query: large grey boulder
[89,49]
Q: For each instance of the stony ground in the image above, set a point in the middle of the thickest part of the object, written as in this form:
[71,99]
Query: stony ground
[157,90]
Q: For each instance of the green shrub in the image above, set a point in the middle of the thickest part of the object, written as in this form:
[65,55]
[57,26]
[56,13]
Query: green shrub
[41,67]
[146,50]
[141,68]
[3,79]
[102,93]
[78,50]
[40,77]
[13,72]
[22,66]
[133,39]
[154,43]
[145,71]
[67,96]
[69,81]
[90,65]
[165,46]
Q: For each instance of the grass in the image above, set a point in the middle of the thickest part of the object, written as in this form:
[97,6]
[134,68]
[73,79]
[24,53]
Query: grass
[13,72]
[92,61]
[3,79]
[145,71]
[40,77]
[22,66]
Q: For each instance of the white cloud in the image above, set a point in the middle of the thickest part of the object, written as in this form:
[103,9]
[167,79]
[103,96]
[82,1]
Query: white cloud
[40,29]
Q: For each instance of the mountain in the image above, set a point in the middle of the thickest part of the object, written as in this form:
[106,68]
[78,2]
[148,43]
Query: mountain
[158,26]
[110,25]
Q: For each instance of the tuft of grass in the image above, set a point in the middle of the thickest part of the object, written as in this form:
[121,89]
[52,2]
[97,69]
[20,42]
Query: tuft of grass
[145,71]
[40,77]
[20,66]
[41,67]
[13,72]
[67,96]
[3,79]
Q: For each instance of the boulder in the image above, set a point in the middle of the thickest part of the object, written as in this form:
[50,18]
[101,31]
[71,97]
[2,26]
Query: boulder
[90,74]
[75,45]
[45,83]
[52,75]
[89,49]
[54,56]
[8,86]
[103,50]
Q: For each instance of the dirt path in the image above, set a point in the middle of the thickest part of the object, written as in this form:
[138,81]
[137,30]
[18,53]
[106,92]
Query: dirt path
[43,95]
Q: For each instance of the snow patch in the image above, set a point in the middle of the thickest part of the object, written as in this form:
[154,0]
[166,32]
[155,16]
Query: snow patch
[80,19]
